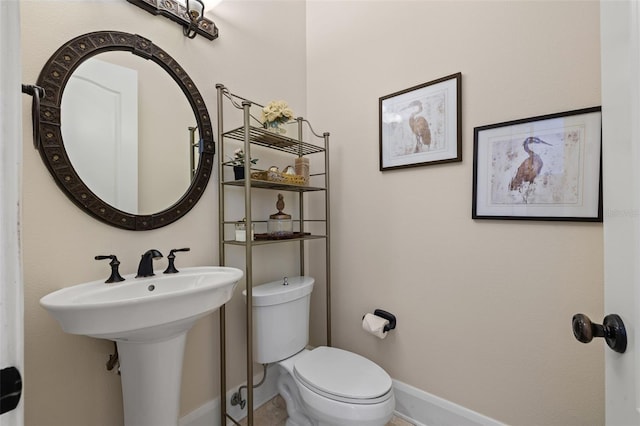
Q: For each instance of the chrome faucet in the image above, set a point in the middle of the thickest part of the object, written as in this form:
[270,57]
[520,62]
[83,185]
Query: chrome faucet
[145,268]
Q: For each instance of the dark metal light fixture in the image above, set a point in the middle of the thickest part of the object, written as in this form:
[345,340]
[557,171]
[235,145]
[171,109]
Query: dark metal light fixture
[189,15]
[195,10]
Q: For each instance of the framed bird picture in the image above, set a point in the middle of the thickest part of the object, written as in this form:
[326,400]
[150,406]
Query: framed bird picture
[540,168]
[421,125]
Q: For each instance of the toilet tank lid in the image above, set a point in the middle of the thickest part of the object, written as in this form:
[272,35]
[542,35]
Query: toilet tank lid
[275,292]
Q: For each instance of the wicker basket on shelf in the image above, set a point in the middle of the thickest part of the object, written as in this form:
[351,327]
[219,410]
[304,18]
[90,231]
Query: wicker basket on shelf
[279,177]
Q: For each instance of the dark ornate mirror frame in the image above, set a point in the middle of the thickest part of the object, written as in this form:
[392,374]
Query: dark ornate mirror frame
[53,78]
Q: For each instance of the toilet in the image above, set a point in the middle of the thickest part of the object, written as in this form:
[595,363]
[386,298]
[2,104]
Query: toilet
[323,386]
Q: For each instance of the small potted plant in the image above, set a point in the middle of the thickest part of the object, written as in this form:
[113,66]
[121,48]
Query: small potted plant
[238,163]
[275,114]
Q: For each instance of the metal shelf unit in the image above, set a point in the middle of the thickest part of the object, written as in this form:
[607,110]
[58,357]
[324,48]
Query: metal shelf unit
[251,133]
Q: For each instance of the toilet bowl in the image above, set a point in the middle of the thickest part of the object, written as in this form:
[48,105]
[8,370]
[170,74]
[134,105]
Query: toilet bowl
[330,386]
[324,386]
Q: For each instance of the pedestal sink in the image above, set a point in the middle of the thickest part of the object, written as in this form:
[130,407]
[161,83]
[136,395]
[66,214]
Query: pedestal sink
[149,319]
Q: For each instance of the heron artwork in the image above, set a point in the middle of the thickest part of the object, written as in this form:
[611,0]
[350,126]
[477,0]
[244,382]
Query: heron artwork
[530,167]
[419,127]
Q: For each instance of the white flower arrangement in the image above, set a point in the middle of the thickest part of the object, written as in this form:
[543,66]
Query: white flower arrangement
[277,112]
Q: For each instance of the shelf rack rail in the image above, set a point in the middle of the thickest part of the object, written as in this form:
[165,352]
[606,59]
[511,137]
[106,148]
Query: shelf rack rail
[250,134]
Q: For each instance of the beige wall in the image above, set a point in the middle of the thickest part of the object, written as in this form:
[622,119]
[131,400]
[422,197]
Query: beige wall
[66,380]
[484,307]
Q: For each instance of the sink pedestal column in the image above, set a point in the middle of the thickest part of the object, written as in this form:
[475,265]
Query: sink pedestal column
[151,376]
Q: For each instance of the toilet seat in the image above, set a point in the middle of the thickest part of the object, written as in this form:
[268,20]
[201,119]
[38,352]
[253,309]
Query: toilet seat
[343,376]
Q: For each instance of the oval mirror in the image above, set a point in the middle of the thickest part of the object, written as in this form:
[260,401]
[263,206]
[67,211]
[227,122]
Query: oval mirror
[122,140]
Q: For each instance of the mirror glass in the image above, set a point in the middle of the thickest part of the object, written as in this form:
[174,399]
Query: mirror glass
[128,141]
[123,130]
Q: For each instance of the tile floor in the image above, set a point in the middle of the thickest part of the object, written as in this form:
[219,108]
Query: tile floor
[274,413]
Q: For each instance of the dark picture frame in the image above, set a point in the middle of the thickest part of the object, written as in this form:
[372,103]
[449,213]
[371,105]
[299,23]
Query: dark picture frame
[422,125]
[547,167]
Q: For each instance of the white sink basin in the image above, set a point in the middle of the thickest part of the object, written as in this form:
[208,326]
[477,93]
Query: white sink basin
[149,319]
[142,309]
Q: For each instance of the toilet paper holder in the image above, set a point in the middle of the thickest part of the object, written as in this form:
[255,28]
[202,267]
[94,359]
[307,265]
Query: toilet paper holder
[388,316]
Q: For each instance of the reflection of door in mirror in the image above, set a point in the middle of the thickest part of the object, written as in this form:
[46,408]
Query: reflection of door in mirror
[100,125]
[158,155]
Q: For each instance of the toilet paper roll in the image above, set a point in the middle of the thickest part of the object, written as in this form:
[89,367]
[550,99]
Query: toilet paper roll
[374,325]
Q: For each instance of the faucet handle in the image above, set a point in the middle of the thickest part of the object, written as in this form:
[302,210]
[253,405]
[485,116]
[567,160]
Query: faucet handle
[115,275]
[171,268]
[176,250]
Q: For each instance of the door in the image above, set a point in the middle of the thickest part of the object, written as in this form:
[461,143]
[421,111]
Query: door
[11,297]
[620,47]
[100,130]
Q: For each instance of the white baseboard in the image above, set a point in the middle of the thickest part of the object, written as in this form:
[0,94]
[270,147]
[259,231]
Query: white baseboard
[412,404]
[424,409]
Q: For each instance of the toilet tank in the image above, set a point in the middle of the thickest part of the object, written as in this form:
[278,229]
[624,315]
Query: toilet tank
[280,318]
